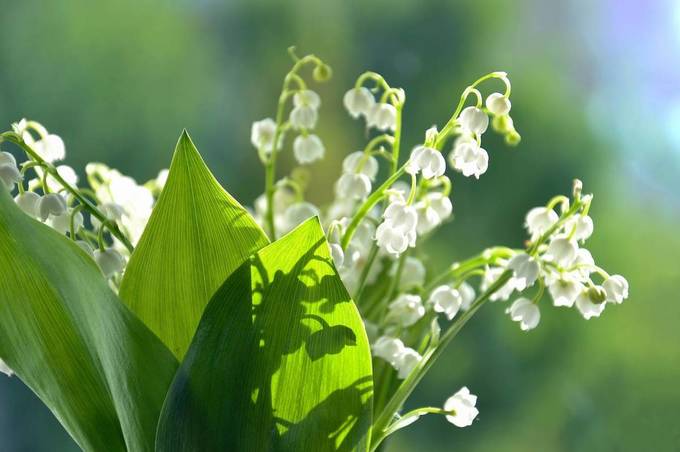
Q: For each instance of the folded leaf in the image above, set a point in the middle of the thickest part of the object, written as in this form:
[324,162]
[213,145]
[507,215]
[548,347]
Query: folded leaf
[69,338]
[280,361]
[197,236]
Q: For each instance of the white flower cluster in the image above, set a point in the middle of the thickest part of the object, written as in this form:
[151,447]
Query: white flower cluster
[51,197]
[558,262]
[307,147]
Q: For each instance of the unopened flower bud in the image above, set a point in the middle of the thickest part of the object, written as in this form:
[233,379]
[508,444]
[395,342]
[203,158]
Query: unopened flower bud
[498,104]
[474,120]
[322,72]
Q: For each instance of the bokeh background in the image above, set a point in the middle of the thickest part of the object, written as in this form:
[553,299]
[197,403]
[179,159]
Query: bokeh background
[596,94]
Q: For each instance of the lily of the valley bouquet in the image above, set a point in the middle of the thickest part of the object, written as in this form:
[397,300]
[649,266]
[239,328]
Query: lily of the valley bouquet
[168,317]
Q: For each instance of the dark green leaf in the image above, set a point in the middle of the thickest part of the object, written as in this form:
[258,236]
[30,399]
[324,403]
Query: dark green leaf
[69,338]
[196,237]
[280,361]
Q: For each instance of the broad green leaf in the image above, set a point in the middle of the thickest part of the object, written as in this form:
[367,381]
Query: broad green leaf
[280,361]
[196,237]
[102,372]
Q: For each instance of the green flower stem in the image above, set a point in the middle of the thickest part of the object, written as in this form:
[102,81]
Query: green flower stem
[450,125]
[397,139]
[416,413]
[460,268]
[366,207]
[384,420]
[87,204]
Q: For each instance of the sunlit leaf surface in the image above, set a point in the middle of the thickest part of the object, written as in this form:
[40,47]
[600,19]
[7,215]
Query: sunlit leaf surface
[69,338]
[196,237]
[280,360]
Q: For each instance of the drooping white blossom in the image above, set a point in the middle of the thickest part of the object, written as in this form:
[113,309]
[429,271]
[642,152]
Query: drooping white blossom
[360,162]
[62,223]
[9,172]
[468,295]
[433,209]
[539,220]
[303,117]
[383,116]
[308,148]
[526,270]
[262,135]
[474,120]
[412,274]
[562,251]
[406,310]
[28,201]
[582,227]
[52,204]
[110,261]
[359,101]
[616,288]
[306,98]
[388,349]
[407,362]
[353,186]
[564,290]
[469,158]
[446,300]
[462,406]
[398,230]
[427,160]
[591,302]
[525,312]
[50,148]
[498,104]
[296,214]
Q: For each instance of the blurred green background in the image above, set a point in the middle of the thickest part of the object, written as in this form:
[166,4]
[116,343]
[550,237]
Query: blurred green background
[596,95]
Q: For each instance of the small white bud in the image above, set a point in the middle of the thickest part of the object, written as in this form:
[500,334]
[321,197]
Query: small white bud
[525,312]
[307,98]
[51,148]
[359,162]
[303,117]
[383,116]
[428,160]
[446,300]
[354,186]
[462,406]
[616,288]
[9,176]
[498,104]
[262,134]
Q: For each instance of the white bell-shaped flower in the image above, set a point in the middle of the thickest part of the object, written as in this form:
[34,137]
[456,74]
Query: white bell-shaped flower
[303,117]
[469,158]
[52,204]
[498,104]
[383,116]
[446,300]
[433,209]
[7,159]
[412,275]
[359,101]
[353,186]
[462,406]
[388,349]
[564,290]
[468,295]
[398,231]
[392,240]
[474,120]
[51,148]
[28,201]
[5,369]
[526,270]
[401,215]
[491,275]
[562,251]
[591,302]
[525,312]
[427,160]
[616,288]
[296,214]
[406,362]
[308,148]
[306,98]
[62,223]
[582,225]
[359,162]
[110,262]
[9,175]
[262,134]
[539,220]
[406,310]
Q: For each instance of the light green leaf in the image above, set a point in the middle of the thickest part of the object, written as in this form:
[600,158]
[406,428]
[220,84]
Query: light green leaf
[196,237]
[280,361]
[103,374]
